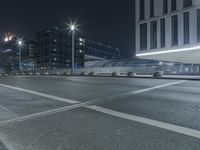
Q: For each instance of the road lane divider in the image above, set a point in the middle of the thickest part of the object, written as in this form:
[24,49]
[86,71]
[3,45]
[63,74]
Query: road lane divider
[41,94]
[91,105]
[151,122]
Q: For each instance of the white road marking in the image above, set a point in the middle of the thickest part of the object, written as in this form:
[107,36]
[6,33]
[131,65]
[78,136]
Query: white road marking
[77,104]
[92,101]
[40,114]
[155,123]
[136,92]
[158,124]
[40,94]
[10,112]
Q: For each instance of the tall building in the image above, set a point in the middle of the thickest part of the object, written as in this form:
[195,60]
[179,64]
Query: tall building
[10,53]
[54,49]
[168,30]
[29,61]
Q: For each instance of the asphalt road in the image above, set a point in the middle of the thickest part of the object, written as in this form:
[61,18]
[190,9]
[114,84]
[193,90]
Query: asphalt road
[93,113]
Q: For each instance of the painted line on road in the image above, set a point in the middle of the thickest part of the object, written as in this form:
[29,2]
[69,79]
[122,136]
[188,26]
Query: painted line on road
[41,94]
[155,123]
[41,114]
[76,104]
[110,98]
[8,111]
[91,102]
[90,105]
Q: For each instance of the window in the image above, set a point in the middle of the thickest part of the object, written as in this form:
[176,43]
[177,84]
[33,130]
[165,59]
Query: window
[186,19]
[187,3]
[173,5]
[152,8]
[162,33]
[174,30]
[165,6]
[153,34]
[198,25]
[143,36]
[142,9]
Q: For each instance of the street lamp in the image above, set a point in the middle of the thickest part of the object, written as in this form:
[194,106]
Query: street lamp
[20,44]
[73,28]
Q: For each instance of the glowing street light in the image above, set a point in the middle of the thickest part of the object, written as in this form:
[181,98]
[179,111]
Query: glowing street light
[20,43]
[73,29]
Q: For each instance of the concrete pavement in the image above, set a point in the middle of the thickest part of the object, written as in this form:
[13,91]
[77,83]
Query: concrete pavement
[94,113]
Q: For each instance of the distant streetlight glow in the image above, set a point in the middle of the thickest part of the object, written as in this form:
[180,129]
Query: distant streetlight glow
[72,27]
[20,43]
[6,39]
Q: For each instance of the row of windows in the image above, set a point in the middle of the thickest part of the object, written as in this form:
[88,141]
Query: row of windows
[174,31]
[186,3]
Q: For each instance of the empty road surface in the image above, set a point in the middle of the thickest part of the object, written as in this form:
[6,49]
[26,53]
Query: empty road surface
[94,113]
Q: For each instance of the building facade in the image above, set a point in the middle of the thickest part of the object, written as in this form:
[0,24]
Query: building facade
[95,50]
[29,61]
[168,30]
[54,49]
[10,53]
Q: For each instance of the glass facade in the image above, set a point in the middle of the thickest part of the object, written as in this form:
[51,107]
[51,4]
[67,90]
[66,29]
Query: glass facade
[151,8]
[187,3]
[198,25]
[143,36]
[142,9]
[165,6]
[173,5]
[153,34]
[162,33]
[174,27]
[186,24]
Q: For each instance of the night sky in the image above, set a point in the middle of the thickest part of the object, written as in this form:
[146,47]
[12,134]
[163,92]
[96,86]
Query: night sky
[108,21]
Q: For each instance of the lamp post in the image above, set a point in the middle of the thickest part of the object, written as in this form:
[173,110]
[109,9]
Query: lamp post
[20,53]
[73,28]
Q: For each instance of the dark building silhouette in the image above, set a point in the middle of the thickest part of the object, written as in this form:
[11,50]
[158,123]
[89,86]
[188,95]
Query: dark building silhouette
[54,49]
